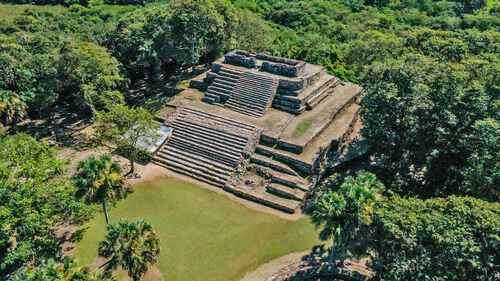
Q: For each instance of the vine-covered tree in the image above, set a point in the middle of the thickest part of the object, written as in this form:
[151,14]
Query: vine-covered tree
[100,180]
[134,246]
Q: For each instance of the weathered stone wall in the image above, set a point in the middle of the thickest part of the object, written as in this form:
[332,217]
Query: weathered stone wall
[303,168]
[262,56]
[280,69]
[240,58]
[281,66]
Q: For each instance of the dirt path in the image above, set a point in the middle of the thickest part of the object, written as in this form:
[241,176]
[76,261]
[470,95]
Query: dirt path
[266,271]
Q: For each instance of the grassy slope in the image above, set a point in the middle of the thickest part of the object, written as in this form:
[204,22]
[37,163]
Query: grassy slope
[9,11]
[204,235]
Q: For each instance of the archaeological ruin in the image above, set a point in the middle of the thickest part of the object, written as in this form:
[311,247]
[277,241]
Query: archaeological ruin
[260,126]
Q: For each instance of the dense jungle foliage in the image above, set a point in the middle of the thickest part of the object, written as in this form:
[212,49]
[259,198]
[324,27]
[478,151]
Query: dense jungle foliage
[431,74]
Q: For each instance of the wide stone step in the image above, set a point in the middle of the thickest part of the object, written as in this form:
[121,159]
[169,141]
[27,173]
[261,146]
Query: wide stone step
[208,146]
[186,126]
[255,83]
[220,119]
[226,73]
[194,163]
[286,192]
[316,99]
[289,180]
[266,199]
[290,110]
[248,104]
[192,173]
[222,85]
[202,136]
[286,158]
[215,89]
[226,80]
[261,96]
[222,166]
[232,71]
[244,111]
[288,99]
[234,103]
[251,100]
[210,99]
[259,76]
[217,144]
[222,94]
[220,133]
[192,167]
[218,157]
[217,134]
[272,164]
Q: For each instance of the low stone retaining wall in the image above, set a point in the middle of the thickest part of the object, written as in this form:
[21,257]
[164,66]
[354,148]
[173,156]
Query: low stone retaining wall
[302,167]
[251,197]
[236,58]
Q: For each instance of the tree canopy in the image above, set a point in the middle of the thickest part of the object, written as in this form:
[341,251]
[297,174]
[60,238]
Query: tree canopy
[431,123]
[448,239]
[132,245]
[35,197]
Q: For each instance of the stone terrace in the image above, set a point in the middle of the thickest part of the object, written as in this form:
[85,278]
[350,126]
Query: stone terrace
[229,135]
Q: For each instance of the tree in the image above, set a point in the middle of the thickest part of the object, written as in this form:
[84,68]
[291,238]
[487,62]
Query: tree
[132,245]
[53,271]
[89,77]
[453,238]
[100,180]
[342,210]
[419,118]
[35,197]
[122,126]
[27,78]
[163,39]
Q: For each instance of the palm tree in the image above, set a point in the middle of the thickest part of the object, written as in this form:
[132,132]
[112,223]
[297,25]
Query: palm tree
[342,211]
[100,180]
[132,245]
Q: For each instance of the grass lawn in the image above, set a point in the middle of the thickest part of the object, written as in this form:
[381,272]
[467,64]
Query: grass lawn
[204,235]
[302,127]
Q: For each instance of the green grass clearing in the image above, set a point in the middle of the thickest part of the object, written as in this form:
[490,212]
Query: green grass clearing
[204,235]
[302,128]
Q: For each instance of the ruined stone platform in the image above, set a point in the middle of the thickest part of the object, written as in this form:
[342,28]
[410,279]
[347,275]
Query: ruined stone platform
[229,135]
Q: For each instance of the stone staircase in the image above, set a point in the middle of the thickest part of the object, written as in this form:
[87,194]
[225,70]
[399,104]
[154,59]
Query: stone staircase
[253,94]
[222,87]
[205,146]
[286,189]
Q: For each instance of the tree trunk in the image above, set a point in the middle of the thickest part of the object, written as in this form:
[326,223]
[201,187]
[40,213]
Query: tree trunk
[132,166]
[105,209]
[332,251]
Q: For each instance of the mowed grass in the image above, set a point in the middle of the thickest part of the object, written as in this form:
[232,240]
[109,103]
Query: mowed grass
[204,235]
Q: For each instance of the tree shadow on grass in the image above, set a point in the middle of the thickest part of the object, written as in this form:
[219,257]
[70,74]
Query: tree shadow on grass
[61,127]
